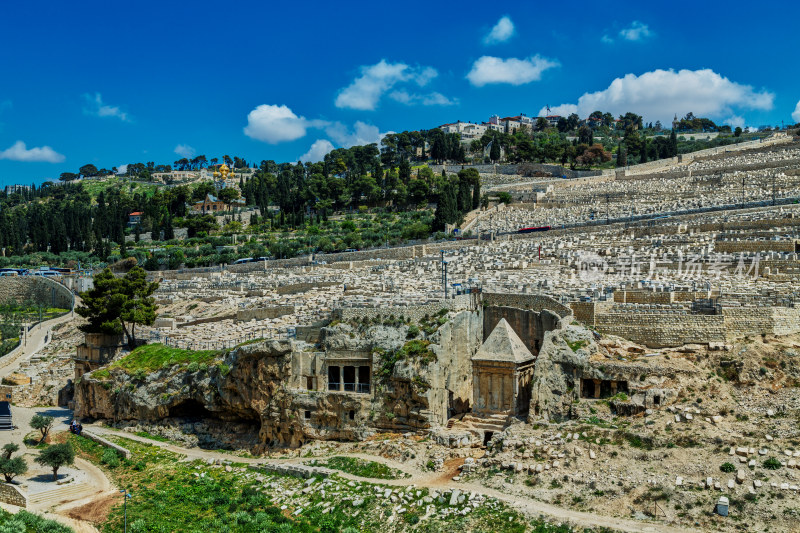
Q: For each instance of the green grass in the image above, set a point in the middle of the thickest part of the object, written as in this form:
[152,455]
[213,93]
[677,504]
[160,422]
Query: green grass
[25,522]
[577,345]
[150,436]
[193,497]
[152,357]
[102,374]
[360,467]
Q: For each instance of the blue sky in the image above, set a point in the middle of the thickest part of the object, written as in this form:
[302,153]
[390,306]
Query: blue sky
[110,83]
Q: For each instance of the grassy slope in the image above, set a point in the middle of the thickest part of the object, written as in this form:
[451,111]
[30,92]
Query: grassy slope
[152,357]
[25,522]
[169,495]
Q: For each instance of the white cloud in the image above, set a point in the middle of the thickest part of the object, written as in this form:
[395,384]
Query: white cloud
[375,80]
[796,113]
[501,32]
[434,98]
[637,31]
[735,121]
[488,69]
[19,152]
[184,150]
[274,124]
[361,134]
[122,169]
[317,151]
[563,110]
[97,108]
[660,94]
[606,39]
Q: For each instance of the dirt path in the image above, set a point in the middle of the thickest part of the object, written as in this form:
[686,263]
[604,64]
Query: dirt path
[434,480]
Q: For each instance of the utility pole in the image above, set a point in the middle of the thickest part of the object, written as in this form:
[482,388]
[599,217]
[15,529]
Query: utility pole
[126,495]
[444,271]
[743,178]
[773,189]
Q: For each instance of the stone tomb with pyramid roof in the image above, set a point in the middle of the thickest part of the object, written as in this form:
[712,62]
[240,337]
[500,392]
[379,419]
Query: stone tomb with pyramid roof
[502,370]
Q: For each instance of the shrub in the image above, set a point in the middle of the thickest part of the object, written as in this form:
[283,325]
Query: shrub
[110,458]
[413,332]
[772,464]
[727,467]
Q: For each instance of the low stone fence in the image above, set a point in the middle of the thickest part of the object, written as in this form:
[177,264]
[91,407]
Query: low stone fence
[207,320]
[296,288]
[755,245]
[245,315]
[13,495]
[301,471]
[107,443]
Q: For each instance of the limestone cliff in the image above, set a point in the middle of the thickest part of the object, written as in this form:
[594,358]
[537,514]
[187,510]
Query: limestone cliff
[563,359]
[257,397]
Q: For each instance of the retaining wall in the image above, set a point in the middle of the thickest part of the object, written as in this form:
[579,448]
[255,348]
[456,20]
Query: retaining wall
[38,289]
[207,320]
[415,313]
[13,495]
[534,302]
[107,443]
[244,315]
[658,330]
[513,169]
[754,246]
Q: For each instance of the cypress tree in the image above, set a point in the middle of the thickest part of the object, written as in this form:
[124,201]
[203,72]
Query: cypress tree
[644,150]
[476,194]
[622,156]
[169,233]
[494,151]
[673,144]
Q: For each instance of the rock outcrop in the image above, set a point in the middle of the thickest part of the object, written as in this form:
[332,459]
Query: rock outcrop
[255,398]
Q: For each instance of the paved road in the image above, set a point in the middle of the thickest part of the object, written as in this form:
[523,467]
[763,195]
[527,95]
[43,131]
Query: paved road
[97,485]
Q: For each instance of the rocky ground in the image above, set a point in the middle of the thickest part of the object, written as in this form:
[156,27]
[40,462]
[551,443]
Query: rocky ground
[730,432]
[50,369]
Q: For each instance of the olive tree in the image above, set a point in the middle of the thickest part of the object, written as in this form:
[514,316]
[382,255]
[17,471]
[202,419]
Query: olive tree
[56,456]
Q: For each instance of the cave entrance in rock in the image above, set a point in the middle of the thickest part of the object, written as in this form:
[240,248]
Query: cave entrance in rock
[190,409]
[587,388]
[487,436]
